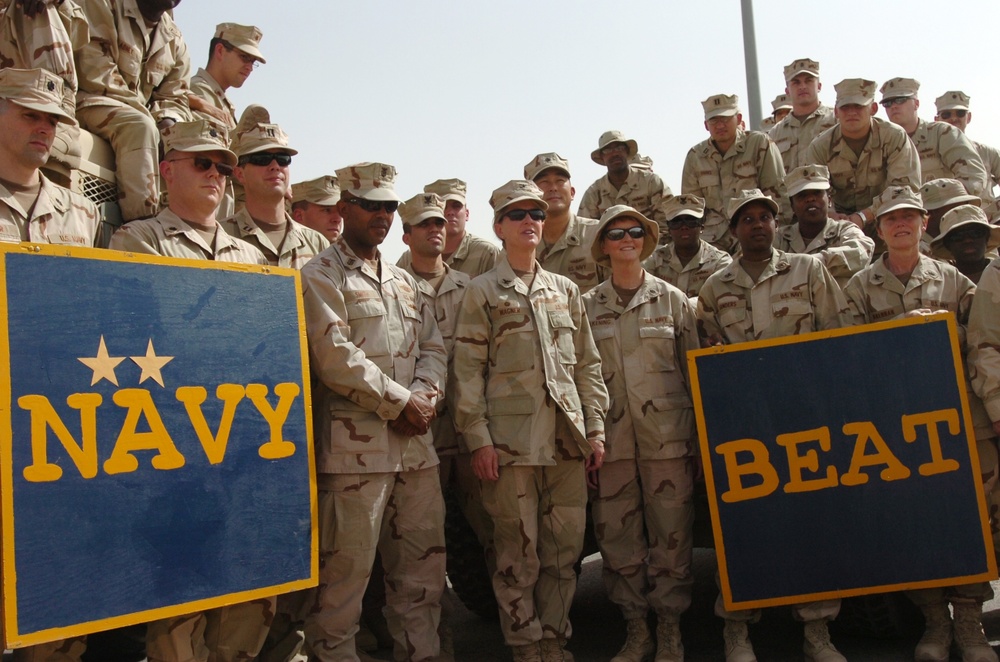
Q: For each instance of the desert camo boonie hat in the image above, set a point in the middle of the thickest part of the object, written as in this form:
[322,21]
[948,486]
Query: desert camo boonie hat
[745,197]
[544,162]
[243,37]
[684,205]
[421,207]
[624,211]
[198,136]
[959,217]
[513,191]
[807,178]
[36,89]
[448,189]
[721,105]
[609,137]
[954,100]
[320,191]
[855,92]
[942,192]
[897,197]
[371,181]
[801,66]
[895,88]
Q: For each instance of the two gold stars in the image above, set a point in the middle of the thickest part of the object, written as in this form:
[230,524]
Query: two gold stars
[104,365]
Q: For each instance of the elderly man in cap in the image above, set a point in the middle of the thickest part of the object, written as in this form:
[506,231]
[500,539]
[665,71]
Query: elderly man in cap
[463,251]
[729,161]
[133,75]
[863,153]
[944,151]
[808,117]
[688,260]
[233,54]
[840,245]
[953,108]
[264,157]
[565,245]
[314,205]
[625,184]
[376,350]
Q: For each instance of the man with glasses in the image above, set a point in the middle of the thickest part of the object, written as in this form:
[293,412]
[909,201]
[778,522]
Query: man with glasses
[953,108]
[729,161]
[234,53]
[625,184]
[264,158]
[808,117]
[375,349]
[944,151]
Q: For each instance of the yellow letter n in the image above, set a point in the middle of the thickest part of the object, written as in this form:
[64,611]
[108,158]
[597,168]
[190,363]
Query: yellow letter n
[43,417]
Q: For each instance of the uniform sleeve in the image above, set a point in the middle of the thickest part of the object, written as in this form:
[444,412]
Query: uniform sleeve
[771,174]
[96,66]
[902,162]
[851,255]
[169,99]
[707,312]
[659,192]
[589,382]
[473,333]
[818,152]
[960,156]
[135,238]
[340,364]
[857,305]
[431,370]
[689,176]
[685,335]
[588,203]
[831,308]
[984,340]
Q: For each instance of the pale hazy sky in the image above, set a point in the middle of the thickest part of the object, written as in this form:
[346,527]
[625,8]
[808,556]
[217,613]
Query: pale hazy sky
[476,89]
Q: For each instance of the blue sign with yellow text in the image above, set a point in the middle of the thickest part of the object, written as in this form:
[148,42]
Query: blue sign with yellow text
[841,463]
[155,439]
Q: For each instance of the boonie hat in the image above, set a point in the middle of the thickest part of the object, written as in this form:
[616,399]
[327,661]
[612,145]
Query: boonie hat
[963,216]
[244,37]
[609,137]
[323,190]
[624,211]
[938,193]
[201,135]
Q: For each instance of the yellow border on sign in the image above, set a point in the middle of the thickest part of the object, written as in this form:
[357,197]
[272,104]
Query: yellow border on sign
[952,324]
[9,634]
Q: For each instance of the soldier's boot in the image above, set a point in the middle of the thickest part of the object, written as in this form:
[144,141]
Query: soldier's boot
[527,653]
[817,646]
[969,633]
[554,650]
[737,642]
[935,643]
[669,647]
[638,642]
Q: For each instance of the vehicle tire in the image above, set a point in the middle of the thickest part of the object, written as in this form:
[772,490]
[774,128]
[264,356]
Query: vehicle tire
[467,572]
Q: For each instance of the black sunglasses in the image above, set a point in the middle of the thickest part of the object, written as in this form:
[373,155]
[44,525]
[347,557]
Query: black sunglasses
[518,215]
[373,206]
[946,114]
[895,101]
[683,222]
[265,158]
[617,234]
[204,164]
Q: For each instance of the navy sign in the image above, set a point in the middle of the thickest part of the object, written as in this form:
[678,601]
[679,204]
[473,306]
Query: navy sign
[155,439]
[841,463]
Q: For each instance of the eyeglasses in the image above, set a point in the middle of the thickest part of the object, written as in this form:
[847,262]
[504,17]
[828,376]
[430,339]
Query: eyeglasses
[614,147]
[517,215]
[372,206]
[265,158]
[428,222]
[895,101]
[204,164]
[247,59]
[946,114]
[617,234]
[683,222]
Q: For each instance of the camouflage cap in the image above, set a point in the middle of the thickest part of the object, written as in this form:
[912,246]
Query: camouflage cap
[959,217]
[745,197]
[802,66]
[448,189]
[899,87]
[421,207]
[640,162]
[323,190]
[855,91]
[721,105]
[256,133]
[371,181]
[544,162]
[781,101]
[513,191]
[244,37]
[609,137]
[201,135]
[807,178]
[896,197]
[953,100]
[684,205]
[36,89]
[938,193]
[624,211]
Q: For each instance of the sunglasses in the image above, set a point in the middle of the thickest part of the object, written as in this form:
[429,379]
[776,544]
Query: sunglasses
[896,101]
[947,114]
[204,164]
[246,59]
[518,215]
[617,234]
[372,206]
[689,222]
[265,158]
[614,147]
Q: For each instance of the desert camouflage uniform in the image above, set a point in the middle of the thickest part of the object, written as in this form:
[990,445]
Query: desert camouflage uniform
[876,295]
[793,136]
[991,160]
[644,510]
[887,159]
[203,85]
[753,161]
[841,246]
[131,77]
[59,216]
[528,382]
[643,191]
[166,234]
[688,278]
[300,244]
[945,152]
[372,342]
[570,256]
[473,256]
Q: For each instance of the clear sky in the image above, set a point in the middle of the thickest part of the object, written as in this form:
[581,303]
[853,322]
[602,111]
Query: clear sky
[475,90]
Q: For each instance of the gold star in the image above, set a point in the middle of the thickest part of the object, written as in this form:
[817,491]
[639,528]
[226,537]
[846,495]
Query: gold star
[102,365]
[151,364]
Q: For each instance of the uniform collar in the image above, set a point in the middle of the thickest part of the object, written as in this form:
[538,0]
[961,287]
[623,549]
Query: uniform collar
[174,225]
[46,204]
[606,295]
[352,261]
[926,269]
[510,280]
[734,273]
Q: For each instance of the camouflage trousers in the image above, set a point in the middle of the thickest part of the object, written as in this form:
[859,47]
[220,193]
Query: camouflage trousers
[233,633]
[64,650]
[135,139]
[643,515]
[539,515]
[285,638]
[402,516]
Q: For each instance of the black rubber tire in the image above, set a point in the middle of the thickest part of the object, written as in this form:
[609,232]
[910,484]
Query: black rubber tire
[466,562]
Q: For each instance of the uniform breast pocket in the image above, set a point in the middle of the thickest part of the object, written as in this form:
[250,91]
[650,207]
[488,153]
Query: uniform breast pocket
[733,317]
[794,314]
[366,318]
[563,333]
[658,347]
[745,174]
[510,424]
[708,181]
[841,174]
[129,62]
[604,338]
[515,349]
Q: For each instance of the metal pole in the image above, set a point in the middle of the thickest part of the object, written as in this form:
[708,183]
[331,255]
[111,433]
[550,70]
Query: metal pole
[750,57]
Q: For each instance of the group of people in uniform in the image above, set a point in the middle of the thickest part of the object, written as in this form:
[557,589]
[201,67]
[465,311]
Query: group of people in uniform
[529,376]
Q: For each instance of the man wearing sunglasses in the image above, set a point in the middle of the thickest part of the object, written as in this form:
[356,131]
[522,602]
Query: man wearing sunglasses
[234,53]
[953,108]
[381,364]
[264,158]
[808,117]
[944,151]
